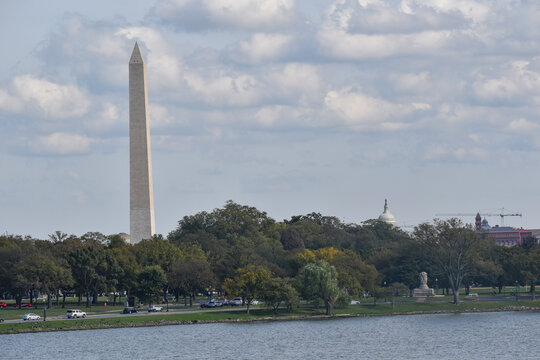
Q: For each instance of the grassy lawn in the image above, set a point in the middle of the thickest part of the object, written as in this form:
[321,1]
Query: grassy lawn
[258,313]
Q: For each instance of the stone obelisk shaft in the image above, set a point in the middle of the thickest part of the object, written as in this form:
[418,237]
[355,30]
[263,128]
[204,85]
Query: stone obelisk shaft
[141,194]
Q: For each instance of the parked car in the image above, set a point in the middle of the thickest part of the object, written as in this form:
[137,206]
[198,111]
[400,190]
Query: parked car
[206,304]
[235,302]
[3,304]
[31,316]
[130,310]
[218,303]
[23,306]
[155,308]
[211,304]
[1,320]
[74,314]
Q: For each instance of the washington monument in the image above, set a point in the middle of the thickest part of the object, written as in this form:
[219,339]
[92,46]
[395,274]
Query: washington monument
[141,193]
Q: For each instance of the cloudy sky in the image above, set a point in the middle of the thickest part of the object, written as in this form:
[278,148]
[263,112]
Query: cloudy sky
[289,106]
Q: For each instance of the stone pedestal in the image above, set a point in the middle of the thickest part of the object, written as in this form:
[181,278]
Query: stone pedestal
[423,292]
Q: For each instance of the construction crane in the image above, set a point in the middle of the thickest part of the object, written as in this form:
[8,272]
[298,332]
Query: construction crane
[502,214]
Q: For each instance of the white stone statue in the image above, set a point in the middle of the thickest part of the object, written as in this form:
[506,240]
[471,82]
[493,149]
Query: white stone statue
[423,290]
[423,280]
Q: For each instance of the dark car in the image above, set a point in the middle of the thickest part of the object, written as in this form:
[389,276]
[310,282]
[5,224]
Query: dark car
[129,310]
[1,320]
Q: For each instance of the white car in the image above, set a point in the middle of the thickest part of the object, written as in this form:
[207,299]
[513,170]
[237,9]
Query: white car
[74,314]
[235,302]
[155,308]
[31,316]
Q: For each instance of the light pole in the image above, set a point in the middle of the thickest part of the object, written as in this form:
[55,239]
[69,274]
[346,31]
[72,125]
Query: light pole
[516,290]
[44,310]
[437,286]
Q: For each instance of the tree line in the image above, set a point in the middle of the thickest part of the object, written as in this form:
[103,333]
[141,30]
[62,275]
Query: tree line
[239,250]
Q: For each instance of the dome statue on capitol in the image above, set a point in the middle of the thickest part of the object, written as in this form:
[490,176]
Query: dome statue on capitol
[386,216]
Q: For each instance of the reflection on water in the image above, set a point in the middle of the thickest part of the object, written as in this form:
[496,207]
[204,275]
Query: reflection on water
[445,336]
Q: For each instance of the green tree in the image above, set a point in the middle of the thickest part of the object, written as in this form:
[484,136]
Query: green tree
[156,251]
[248,282]
[12,250]
[128,270]
[354,275]
[58,236]
[523,264]
[453,247]
[189,276]
[89,269]
[278,291]
[319,282]
[151,281]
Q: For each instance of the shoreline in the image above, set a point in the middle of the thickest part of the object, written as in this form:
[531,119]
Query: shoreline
[163,322]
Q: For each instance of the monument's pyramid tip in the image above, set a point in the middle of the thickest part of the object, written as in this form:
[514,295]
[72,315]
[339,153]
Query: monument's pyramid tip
[136,56]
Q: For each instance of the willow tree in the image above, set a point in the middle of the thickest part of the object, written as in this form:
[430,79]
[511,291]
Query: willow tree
[319,282]
[453,247]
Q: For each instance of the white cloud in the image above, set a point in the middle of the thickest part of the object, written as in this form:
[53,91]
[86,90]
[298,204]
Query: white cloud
[261,47]
[516,82]
[360,111]
[377,29]
[159,116]
[225,90]
[61,144]
[106,119]
[9,103]
[50,100]
[411,81]
[523,126]
[474,10]
[251,13]
[244,14]
[446,152]
[280,116]
[341,44]
[421,106]
[268,116]
[297,81]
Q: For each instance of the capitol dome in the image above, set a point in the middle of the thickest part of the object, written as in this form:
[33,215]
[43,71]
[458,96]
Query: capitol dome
[386,216]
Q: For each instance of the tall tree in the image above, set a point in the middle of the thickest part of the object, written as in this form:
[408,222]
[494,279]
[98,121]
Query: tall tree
[319,282]
[58,236]
[190,276]
[89,268]
[128,270]
[151,282]
[279,291]
[248,282]
[453,246]
[156,251]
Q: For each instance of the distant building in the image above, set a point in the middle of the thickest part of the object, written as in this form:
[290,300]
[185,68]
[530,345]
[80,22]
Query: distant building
[125,237]
[386,216]
[502,235]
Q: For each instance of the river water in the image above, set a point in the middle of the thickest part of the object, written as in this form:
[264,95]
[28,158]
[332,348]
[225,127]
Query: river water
[508,335]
